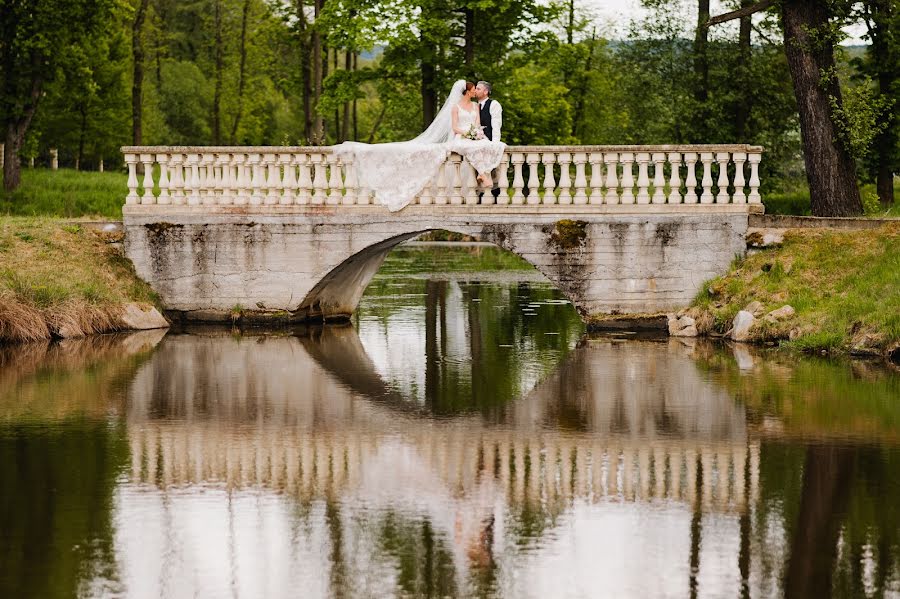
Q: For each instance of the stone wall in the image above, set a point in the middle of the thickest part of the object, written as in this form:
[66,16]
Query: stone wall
[316,262]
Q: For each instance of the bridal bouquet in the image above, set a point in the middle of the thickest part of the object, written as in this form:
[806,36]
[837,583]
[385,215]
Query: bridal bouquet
[474,132]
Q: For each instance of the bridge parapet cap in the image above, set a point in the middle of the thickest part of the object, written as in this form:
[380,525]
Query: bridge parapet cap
[526,149]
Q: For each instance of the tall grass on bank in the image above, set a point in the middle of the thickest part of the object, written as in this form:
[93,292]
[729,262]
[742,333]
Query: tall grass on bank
[61,280]
[844,286]
[66,193]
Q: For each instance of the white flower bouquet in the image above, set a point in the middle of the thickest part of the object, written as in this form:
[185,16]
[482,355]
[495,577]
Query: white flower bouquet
[475,132]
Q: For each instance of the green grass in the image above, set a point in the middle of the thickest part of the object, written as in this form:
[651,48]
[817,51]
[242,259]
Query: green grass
[796,202]
[843,286]
[66,193]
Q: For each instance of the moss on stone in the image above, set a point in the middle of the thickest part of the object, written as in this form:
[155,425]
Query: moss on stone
[569,234]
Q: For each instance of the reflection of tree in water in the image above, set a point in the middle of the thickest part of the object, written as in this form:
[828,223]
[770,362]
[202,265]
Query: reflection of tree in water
[59,461]
[507,350]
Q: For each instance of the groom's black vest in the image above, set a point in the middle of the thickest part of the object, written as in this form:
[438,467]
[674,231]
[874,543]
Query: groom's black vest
[486,119]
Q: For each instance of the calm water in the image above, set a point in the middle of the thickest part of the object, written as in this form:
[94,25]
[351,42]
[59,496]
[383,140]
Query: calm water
[462,438]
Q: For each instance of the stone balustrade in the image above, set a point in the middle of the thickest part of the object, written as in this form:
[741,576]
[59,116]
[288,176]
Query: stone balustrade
[529,176]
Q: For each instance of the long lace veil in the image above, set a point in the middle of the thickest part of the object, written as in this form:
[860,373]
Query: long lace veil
[441,129]
[397,172]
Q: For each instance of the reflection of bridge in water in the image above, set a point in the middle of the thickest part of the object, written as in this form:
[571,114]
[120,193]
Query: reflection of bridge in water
[612,423]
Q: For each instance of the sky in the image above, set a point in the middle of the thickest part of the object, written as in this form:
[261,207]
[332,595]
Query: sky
[619,13]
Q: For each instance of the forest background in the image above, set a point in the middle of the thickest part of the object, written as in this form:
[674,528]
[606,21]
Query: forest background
[86,77]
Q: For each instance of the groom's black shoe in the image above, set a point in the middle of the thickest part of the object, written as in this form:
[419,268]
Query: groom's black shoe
[481,195]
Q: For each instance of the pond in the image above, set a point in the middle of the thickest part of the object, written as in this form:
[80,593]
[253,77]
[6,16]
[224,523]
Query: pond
[462,436]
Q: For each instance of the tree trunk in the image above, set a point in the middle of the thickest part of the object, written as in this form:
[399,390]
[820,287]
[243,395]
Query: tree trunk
[578,112]
[469,50]
[306,72]
[345,123]
[17,127]
[701,61]
[830,170]
[337,115]
[742,111]
[355,129]
[137,85]
[81,135]
[429,97]
[242,69]
[217,94]
[882,52]
[318,123]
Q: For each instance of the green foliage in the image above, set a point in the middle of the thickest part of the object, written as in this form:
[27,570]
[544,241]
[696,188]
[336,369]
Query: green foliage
[858,118]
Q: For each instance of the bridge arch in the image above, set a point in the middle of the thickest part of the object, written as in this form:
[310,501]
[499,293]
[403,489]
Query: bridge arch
[337,294]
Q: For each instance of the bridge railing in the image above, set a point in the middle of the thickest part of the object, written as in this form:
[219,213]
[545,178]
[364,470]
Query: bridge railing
[529,175]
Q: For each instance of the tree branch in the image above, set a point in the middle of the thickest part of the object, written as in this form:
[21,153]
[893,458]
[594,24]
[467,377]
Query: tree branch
[743,12]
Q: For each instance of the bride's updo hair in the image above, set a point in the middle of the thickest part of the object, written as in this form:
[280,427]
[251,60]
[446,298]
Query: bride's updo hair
[469,87]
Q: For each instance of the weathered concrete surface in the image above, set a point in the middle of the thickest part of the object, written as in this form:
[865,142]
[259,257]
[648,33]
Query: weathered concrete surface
[315,262]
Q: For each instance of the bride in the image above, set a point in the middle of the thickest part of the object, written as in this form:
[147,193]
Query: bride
[397,172]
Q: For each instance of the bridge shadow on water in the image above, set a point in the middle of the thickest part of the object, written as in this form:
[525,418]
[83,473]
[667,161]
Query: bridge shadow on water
[208,461]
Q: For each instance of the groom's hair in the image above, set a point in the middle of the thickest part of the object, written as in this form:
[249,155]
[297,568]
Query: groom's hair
[487,86]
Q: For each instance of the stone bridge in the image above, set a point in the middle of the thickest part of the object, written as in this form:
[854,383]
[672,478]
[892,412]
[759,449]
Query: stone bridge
[287,231]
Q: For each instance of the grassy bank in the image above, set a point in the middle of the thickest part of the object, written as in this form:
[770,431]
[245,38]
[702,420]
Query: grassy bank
[59,279]
[66,193]
[844,286]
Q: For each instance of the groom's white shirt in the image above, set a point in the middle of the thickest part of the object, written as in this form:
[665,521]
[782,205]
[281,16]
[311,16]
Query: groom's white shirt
[496,117]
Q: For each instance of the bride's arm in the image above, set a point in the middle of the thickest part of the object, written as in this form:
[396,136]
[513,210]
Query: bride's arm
[454,120]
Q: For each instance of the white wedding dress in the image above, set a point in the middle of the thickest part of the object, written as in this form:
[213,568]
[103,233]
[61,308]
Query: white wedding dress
[397,172]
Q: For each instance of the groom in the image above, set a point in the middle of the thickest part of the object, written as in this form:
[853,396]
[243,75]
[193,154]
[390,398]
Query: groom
[491,121]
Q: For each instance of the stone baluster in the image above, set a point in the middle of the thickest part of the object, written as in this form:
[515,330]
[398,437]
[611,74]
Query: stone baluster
[426,196]
[242,181]
[627,159]
[706,158]
[289,181]
[227,165]
[132,197]
[148,197]
[534,178]
[194,183]
[675,178]
[612,183]
[304,182]
[722,197]
[441,190]
[596,196]
[176,179]
[164,197]
[549,159]
[580,196]
[565,180]
[273,180]
[643,183]
[754,197]
[254,180]
[502,183]
[518,197]
[690,181]
[470,184]
[335,182]
[219,167]
[454,179]
[207,179]
[739,196]
[350,183]
[659,179]
[319,181]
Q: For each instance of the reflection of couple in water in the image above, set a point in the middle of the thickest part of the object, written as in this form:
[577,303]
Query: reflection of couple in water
[398,476]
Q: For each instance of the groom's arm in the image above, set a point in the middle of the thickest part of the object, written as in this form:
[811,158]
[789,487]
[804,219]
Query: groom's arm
[496,120]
